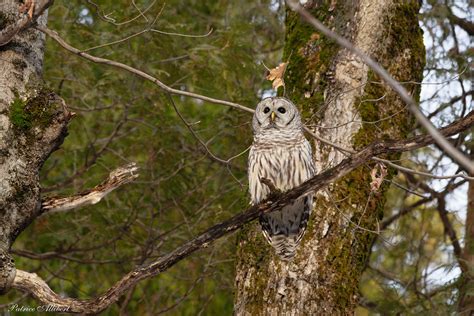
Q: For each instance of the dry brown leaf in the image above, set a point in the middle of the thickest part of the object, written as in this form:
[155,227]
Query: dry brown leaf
[28,7]
[377,178]
[276,76]
[315,37]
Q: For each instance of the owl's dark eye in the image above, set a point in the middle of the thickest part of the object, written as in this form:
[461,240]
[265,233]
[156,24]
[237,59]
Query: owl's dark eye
[266,110]
[281,110]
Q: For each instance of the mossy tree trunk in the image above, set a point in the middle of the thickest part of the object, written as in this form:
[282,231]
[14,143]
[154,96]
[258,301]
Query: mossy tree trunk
[339,96]
[33,123]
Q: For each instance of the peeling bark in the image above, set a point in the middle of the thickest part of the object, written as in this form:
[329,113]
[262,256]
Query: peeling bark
[336,92]
[33,123]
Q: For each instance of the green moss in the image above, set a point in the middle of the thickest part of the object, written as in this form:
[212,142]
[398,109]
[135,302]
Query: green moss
[18,117]
[385,116]
[254,252]
[405,33]
[35,111]
[309,54]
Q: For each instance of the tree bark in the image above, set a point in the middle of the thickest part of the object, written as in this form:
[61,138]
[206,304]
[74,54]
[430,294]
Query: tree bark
[339,94]
[33,123]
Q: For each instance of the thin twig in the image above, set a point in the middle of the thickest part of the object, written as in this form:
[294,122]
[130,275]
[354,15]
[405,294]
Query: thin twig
[195,135]
[112,21]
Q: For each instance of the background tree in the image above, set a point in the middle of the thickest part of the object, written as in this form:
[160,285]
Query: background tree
[424,261]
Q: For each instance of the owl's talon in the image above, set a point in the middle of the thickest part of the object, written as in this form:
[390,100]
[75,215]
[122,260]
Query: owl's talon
[271,186]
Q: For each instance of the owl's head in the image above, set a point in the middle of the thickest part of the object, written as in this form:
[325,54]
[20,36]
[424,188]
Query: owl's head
[276,113]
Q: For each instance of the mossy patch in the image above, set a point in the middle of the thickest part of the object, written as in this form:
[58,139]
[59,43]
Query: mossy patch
[18,117]
[309,55]
[255,252]
[35,111]
[349,249]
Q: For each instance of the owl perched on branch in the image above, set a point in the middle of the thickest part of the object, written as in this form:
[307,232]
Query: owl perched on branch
[280,153]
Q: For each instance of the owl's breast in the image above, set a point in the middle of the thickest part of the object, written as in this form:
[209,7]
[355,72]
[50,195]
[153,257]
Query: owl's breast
[285,166]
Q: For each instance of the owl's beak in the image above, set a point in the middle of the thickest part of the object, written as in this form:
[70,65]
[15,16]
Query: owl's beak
[272,116]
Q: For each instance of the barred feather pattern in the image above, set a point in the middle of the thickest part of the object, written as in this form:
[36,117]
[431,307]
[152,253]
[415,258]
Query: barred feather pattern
[282,155]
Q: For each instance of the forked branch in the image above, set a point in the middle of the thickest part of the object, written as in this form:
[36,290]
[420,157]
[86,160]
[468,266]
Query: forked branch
[116,178]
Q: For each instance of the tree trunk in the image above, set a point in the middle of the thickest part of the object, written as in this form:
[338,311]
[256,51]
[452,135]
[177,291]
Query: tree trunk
[33,123]
[338,94]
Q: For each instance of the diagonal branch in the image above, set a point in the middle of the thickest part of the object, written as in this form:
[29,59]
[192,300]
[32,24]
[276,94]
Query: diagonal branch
[462,23]
[31,283]
[116,178]
[433,195]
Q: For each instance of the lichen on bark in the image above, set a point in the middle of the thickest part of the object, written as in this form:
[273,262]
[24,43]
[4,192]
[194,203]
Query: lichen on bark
[33,123]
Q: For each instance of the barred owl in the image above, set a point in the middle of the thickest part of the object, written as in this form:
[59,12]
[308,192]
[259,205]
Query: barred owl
[281,153]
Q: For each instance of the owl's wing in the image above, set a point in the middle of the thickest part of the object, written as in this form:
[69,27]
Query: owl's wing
[257,170]
[284,229]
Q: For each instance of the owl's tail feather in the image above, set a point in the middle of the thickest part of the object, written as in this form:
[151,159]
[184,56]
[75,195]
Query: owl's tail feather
[285,246]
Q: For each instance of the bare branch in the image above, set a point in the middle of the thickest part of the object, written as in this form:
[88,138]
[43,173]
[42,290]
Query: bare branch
[183,35]
[126,38]
[54,35]
[195,135]
[424,174]
[388,221]
[50,255]
[454,153]
[348,151]
[116,178]
[273,189]
[462,23]
[34,285]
